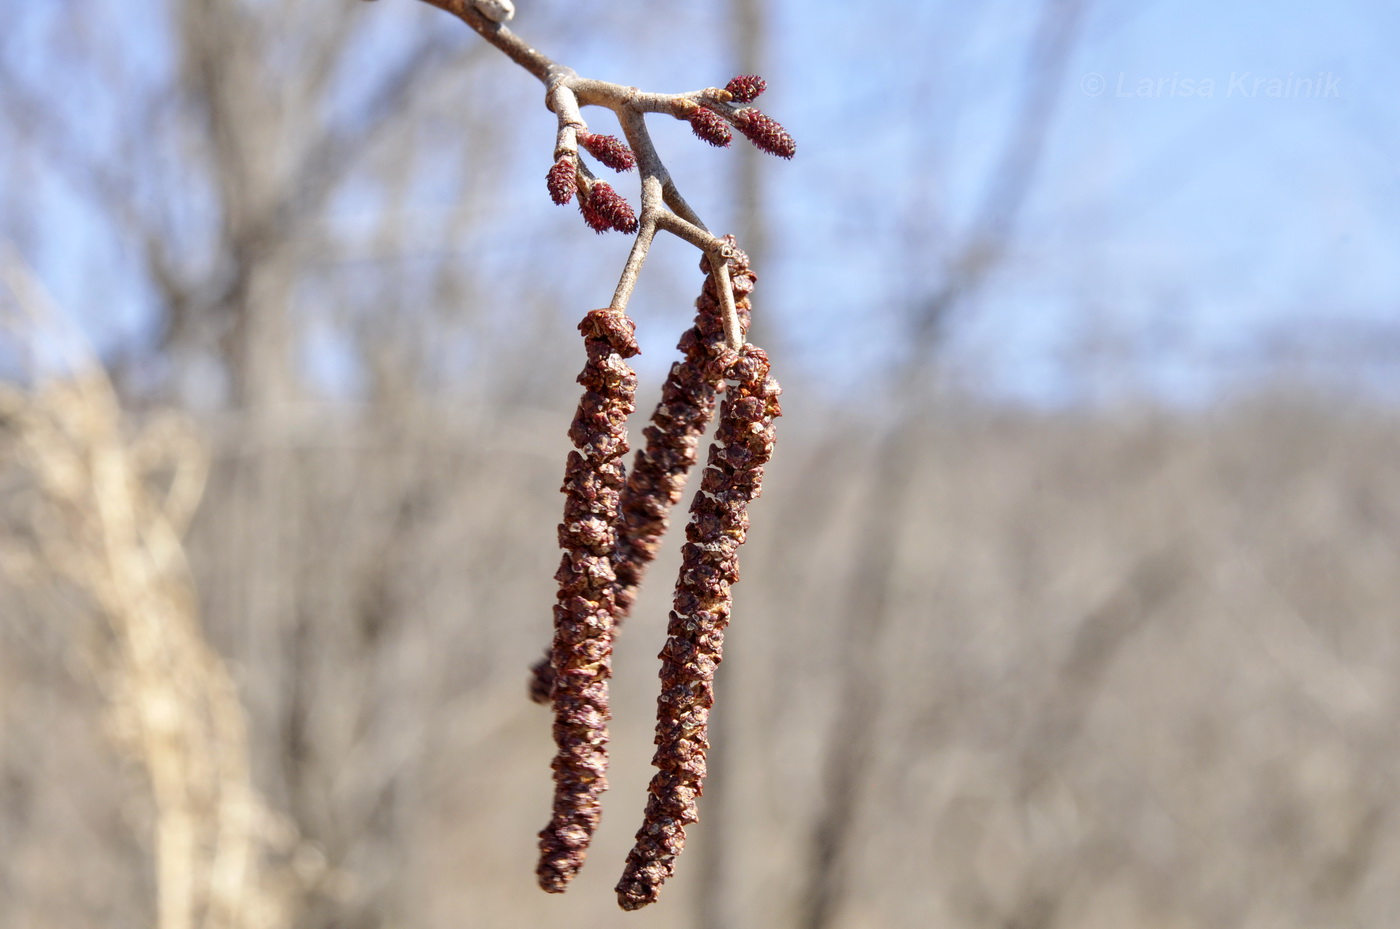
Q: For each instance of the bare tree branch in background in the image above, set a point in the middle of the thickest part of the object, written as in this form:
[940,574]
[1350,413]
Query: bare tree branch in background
[221,192]
[269,201]
[1054,732]
[895,466]
[270,150]
[1009,183]
[716,906]
[748,30]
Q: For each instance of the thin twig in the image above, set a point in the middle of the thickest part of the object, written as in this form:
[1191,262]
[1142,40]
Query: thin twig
[662,207]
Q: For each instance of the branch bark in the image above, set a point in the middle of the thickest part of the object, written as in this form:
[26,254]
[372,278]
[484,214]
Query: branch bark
[662,206]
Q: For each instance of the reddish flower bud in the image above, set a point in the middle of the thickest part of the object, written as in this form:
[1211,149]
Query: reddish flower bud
[561,181]
[592,217]
[610,150]
[746,87]
[710,127]
[604,209]
[764,132]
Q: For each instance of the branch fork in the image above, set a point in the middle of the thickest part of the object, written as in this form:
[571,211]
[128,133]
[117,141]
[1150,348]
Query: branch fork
[710,112]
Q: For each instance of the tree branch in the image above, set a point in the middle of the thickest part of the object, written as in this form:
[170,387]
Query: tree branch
[662,206]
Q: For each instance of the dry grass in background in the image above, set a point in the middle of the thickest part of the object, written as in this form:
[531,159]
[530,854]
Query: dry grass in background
[87,529]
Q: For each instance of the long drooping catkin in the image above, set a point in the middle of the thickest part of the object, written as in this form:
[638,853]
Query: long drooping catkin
[581,656]
[718,524]
[661,467]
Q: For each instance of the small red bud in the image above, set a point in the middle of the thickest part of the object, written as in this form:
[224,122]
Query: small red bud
[764,132]
[710,127]
[746,87]
[561,181]
[592,217]
[605,209]
[609,150]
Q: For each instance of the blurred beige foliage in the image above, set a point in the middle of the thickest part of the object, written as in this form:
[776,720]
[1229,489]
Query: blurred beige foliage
[1137,672]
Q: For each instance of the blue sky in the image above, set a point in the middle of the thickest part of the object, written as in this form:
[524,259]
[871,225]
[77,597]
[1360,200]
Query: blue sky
[1176,237]
[1181,225]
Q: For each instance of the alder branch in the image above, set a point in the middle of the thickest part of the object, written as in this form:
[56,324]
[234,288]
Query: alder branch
[662,206]
[611,520]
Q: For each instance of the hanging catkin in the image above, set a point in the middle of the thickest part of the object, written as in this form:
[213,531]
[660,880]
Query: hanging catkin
[718,523]
[687,405]
[581,656]
[661,467]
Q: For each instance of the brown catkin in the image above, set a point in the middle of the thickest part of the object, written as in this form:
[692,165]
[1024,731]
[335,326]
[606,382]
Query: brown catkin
[662,465]
[695,634]
[581,656]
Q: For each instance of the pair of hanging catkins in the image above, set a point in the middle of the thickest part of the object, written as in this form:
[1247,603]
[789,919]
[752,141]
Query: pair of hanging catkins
[612,527]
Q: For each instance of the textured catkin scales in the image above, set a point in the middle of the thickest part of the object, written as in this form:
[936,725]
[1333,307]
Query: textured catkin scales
[583,614]
[765,132]
[746,87]
[710,127]
[661,467]
[604,208]
[663,464]
[561,180]
[695,634]
[609,150]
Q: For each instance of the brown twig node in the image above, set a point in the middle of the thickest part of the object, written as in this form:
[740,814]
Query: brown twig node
[718,523]
[581,657]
